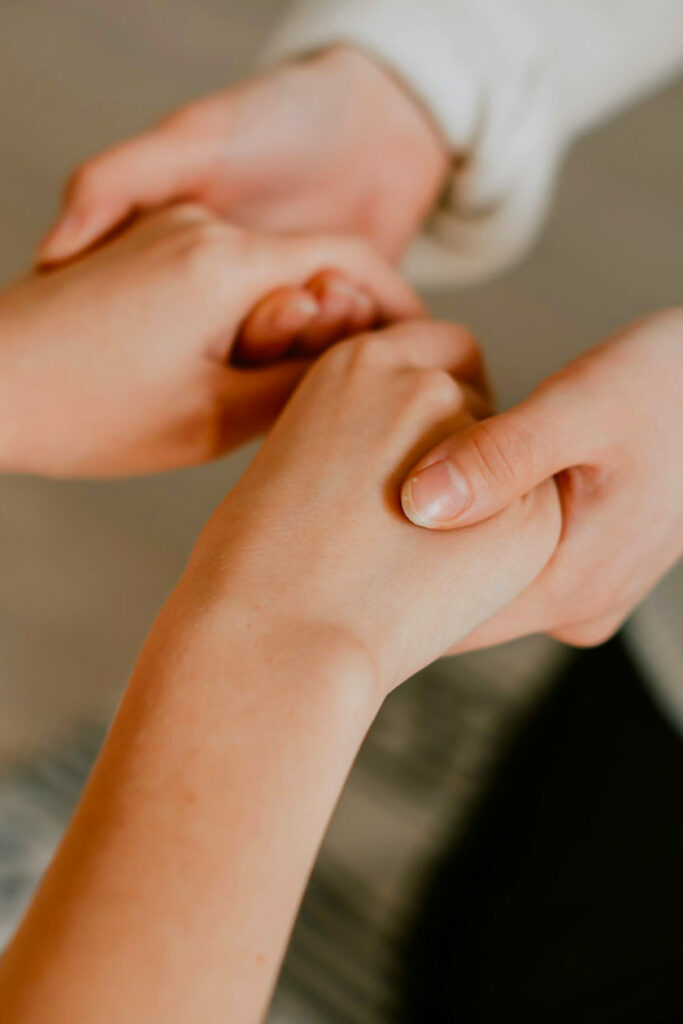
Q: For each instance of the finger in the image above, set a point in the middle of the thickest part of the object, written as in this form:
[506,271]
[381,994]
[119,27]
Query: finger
[429,344]
[344,308]
[354,259]
[527,615]
[246,267]
[591,632]
[543,608]
[364,312]
[534,526]
[274,325]
[479,404]
[328,308]
[540,607]
[138,174]
[480,471]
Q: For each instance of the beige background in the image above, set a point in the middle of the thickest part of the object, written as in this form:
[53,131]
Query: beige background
[84,566]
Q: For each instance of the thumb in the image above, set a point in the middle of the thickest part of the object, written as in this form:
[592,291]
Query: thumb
[476,473]
[254,398]
[144,172]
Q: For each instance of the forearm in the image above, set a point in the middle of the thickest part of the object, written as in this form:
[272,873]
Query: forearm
[309,596]
[173,893]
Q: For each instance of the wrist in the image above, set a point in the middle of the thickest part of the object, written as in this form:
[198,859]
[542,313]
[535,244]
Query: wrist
[408,155]
[398,107]
[271,641]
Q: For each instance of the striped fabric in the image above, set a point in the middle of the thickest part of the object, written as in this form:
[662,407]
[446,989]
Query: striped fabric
[422,765]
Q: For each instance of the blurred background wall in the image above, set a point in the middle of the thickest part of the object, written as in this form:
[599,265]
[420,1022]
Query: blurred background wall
[85,566]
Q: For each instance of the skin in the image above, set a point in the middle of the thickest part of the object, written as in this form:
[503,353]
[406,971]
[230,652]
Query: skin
[337,142]
[125,361]
[303,604]
[303,320]
[616,455]
[333,143]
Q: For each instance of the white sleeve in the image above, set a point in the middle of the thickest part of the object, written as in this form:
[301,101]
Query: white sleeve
[511,83]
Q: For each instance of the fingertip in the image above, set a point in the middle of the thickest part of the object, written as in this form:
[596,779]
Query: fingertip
[435,496]
[337,298]
[74,232]
[55,246]
[364,314]
[274,324]
[335,292]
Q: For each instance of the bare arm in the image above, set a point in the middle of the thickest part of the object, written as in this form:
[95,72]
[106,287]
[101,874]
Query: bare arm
[173,893]
[308,597]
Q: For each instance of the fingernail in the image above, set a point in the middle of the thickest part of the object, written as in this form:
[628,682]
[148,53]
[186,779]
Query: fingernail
[342,287]
[364,301]
[307,306]
[295,314]
[436,495]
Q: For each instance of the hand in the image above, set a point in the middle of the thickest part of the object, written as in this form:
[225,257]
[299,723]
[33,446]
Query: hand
[609,428]
[311,544]
[302,320]
[330,143]
[119,363]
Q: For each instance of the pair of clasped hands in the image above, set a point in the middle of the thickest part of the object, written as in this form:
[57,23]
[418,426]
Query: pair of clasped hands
[231,262]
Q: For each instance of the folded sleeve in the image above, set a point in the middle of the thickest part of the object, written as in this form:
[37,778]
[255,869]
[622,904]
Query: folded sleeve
[510,83]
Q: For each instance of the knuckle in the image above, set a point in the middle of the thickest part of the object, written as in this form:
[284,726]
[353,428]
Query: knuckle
[364,352]
[193,216]
[332,360]
[335,360]
[436,389]
[177,223]
[199,241]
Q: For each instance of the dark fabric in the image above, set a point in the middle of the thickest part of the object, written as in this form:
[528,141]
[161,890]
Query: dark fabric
[564,903]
